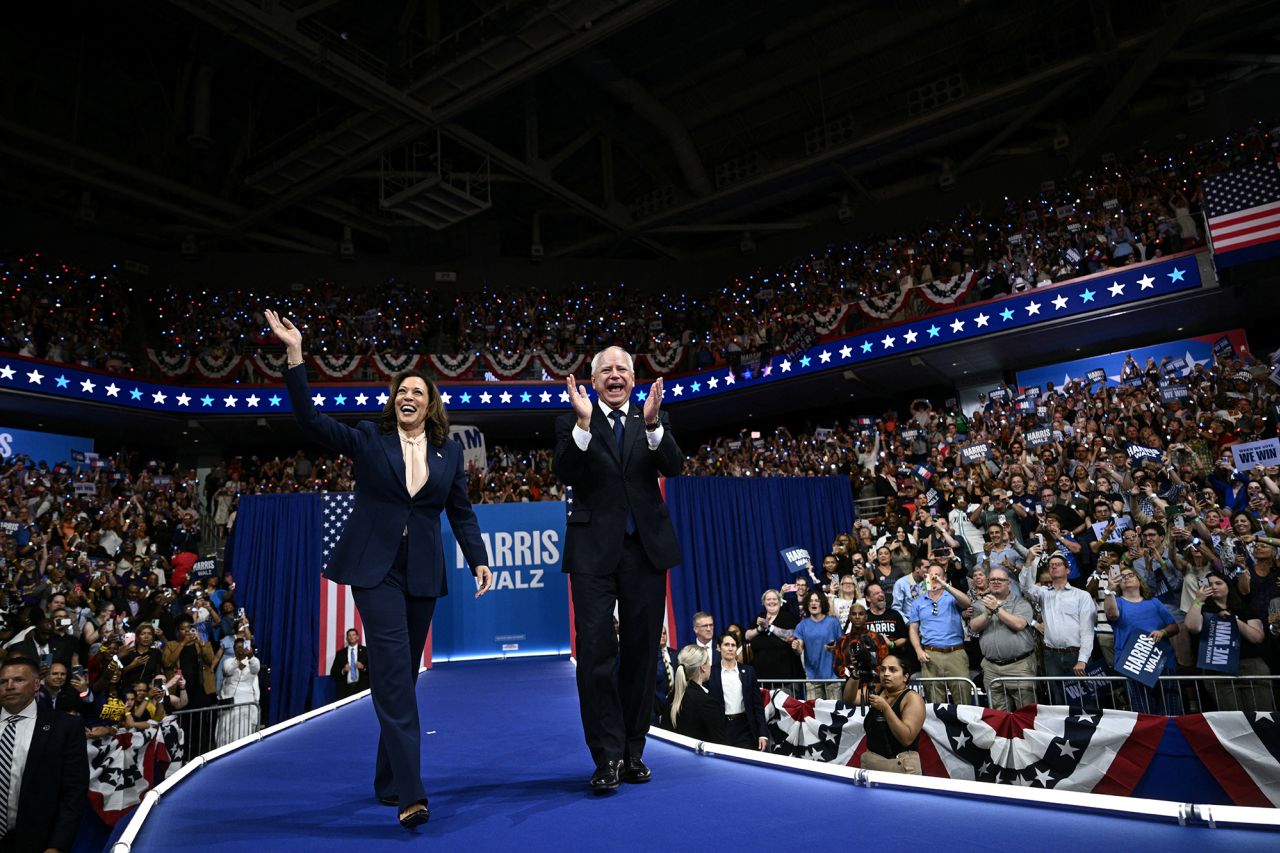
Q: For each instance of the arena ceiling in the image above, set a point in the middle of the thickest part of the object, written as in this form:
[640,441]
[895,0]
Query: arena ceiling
[587,128]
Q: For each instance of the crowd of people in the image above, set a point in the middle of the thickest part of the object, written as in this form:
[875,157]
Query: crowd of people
[1125,211]
[1131,521]
[113,596]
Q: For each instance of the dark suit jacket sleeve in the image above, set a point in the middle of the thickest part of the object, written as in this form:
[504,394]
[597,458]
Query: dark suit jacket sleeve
[567,461]
[667,455]
[339,661]
[462,518]
[755,703]
[74,767]
[318,427]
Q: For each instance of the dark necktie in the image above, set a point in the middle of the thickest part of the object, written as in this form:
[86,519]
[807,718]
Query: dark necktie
[8,739]
[618,432]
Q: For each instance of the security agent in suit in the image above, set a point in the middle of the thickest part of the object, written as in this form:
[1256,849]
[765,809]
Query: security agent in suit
[745,726]
[664,680]
[618,545]
[340,671]
[390,553]
[49,768]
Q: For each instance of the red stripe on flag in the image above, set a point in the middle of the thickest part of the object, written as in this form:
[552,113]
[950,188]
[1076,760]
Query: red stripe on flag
[1244,245]
[1230,220]
[931,763]
[1224,768]
[855,760]
[1134,757]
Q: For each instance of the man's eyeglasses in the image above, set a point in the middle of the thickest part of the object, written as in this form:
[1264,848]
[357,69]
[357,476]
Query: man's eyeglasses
[997,580]
[935,608]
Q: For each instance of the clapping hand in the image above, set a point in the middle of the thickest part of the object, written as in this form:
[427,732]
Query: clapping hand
[580,401]
[653,402]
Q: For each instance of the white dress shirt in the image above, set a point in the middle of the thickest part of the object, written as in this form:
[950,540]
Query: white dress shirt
[732,684]
[582,437]
[21,747]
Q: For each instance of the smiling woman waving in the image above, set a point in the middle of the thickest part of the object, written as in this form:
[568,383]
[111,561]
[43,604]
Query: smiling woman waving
[390,554]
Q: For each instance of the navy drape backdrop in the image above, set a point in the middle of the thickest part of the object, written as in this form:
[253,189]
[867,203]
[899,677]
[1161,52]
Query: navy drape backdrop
[274,556]
[731,531]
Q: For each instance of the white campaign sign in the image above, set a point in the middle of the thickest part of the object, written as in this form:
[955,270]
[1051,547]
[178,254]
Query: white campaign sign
[472,441]
[1251,454]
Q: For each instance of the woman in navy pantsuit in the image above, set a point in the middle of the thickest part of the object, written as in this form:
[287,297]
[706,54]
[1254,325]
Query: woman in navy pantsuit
[407,471]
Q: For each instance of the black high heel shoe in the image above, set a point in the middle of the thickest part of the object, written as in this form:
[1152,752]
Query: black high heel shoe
[416,818]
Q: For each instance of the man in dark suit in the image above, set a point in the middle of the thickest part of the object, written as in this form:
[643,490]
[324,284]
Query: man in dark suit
[43,753]
[45,646]
[58,694]
[735,686]
[664,685]
[618,545]
[350,658]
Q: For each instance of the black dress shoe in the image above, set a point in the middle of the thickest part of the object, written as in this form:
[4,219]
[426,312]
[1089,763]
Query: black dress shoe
[417,818]
[635,771]
[607,776]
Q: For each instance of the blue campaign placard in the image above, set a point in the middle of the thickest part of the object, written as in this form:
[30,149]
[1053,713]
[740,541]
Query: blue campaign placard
[527,611]
[1142,660]
[1219,645]
[796,558]
[50,447]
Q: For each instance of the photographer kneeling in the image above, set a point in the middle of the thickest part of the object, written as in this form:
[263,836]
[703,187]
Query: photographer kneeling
[893,725]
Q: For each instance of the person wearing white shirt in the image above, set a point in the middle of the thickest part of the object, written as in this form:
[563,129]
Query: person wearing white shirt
[44,769]
[1069,618]
[735,686]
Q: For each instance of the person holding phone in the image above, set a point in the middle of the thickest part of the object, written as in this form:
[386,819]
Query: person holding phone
[1216,597]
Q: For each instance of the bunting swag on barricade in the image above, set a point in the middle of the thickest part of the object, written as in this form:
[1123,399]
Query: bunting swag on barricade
[1242,752]
[507,365]
[526,612]
[169,363]
[335,367]
[123,767]
[947,291]
[664,361]
[1105,752]
[452,366]
[270,364]
[882,307]
[388,364]
[561,365]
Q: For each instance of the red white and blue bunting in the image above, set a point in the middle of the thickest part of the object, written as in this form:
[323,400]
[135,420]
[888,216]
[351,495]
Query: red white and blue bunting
[388,364]
[827,321]
[562,365]
[452,366]
[507,365]
[123,767]
[882,307]
[665,360]
[270,364]
[947,291]
[209,365]
[169,363]
[337,366]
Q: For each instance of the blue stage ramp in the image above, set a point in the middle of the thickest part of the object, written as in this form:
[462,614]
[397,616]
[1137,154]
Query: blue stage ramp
[506,768]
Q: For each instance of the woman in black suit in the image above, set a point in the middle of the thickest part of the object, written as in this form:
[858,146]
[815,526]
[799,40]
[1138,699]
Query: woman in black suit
[390,553]
[695,712]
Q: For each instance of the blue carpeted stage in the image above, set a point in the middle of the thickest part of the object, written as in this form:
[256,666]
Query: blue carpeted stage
[506,769]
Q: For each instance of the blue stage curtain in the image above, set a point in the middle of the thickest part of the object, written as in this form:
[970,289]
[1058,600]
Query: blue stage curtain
[731,532]
[274,556]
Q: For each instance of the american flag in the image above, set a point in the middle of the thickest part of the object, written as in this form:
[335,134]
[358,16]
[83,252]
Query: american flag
[1244,209]
[338,612]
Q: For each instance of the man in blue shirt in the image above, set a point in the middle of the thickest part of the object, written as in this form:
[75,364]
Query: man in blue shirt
[814,641]
[908,588]
[937,633]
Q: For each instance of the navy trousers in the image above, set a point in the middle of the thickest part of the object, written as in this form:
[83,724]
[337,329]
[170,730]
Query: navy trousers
[395,633]
[615,690]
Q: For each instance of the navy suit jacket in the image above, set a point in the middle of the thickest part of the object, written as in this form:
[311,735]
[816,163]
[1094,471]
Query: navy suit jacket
[606,484]
[383,507]
[55,783]
[751,697]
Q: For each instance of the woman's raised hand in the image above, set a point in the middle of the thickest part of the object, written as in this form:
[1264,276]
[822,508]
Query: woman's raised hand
[289,334]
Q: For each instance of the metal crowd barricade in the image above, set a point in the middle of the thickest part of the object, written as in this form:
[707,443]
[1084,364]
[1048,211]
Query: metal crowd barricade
[798,687]
[953,689]
[1197,692]
[207,728]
